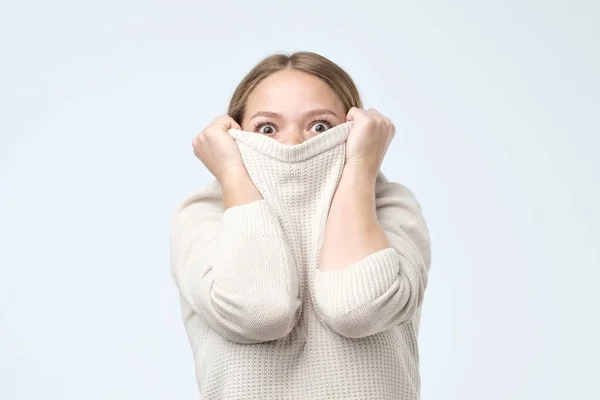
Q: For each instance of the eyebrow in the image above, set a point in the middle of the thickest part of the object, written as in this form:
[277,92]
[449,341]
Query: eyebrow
[308,114]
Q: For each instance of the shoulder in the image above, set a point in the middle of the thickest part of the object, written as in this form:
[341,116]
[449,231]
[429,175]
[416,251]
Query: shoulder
[390,194]
[400,214]
[398,209]
[204,203]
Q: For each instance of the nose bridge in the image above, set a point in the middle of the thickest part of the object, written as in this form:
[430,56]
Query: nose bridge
[295,135]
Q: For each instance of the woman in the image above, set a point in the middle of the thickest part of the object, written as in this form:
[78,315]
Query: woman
[301,268]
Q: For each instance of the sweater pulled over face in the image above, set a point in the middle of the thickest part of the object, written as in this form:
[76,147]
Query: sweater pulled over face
[262,320]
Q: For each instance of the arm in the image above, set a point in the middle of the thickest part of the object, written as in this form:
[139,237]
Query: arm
[233,266]
[375,257]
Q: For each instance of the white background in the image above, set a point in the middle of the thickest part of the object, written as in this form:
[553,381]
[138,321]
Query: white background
[497,109]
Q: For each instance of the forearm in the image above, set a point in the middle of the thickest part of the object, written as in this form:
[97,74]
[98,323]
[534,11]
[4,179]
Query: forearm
[369,284]
[238,189]
[352,231]
[254,286]
[235,269]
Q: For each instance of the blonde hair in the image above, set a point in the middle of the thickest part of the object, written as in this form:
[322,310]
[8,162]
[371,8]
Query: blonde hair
[306,61]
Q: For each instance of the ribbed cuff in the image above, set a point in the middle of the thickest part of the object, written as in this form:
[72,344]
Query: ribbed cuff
[342,291]
[294,153]
[256,218]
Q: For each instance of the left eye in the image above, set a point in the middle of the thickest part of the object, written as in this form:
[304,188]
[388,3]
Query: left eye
[321,126]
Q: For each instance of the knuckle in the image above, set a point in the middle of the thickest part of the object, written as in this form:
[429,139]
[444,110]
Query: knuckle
[210,131]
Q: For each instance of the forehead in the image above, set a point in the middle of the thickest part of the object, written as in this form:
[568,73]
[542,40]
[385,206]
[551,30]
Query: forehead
[292,89]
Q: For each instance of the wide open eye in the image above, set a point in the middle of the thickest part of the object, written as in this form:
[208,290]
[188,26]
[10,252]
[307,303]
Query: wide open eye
[269,128]
[321,126]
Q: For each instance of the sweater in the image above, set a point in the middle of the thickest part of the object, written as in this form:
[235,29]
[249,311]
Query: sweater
[262,320]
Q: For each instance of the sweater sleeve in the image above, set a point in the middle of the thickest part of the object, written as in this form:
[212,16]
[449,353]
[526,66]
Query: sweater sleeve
[234,268]
[385,288]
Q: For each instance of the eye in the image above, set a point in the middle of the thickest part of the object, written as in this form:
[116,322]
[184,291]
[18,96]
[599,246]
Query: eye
[322,125]
[269,128]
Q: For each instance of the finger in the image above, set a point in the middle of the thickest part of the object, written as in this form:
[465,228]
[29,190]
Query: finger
[197,140]
[226,122]
[353,113]
[377,114]
[383,118]
[374,111]
[234,124]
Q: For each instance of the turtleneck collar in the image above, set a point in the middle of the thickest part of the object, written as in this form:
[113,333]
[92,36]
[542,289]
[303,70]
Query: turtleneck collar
[294,153]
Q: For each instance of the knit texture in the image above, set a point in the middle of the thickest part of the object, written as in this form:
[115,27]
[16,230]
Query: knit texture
[262,320]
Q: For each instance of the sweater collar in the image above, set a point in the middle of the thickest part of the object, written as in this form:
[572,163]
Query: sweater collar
[294,153]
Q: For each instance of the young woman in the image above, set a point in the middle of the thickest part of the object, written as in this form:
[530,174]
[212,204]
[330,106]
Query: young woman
[301,268]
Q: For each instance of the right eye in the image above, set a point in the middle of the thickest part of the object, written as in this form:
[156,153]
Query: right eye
[265,128]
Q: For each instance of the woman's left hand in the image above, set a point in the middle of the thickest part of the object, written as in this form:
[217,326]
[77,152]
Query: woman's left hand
[368,140]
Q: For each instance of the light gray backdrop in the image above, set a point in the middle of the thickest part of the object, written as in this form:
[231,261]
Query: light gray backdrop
[497,110]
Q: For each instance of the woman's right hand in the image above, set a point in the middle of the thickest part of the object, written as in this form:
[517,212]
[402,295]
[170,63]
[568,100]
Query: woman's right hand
[219,152]
[217,149]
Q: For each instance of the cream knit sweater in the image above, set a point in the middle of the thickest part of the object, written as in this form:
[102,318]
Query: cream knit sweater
[262,320]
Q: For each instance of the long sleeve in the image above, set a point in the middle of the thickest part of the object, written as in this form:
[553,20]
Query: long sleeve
[234,267]
[387,287]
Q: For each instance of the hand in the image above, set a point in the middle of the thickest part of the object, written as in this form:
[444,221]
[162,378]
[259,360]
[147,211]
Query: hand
[217,149]
[368,140]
